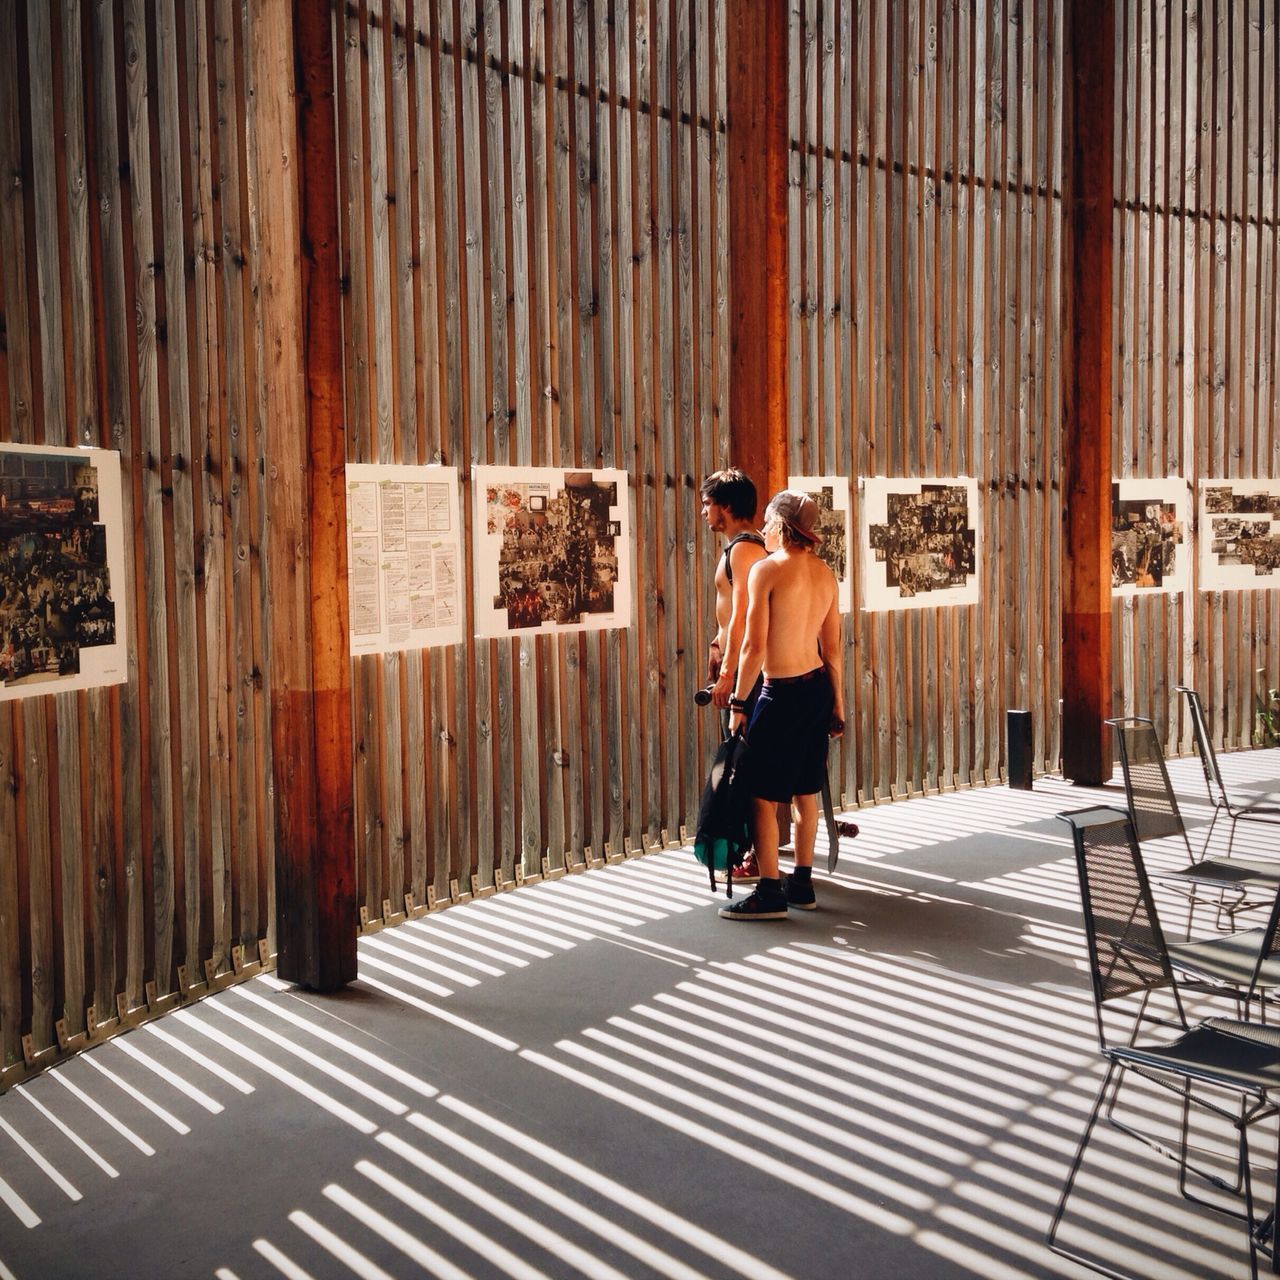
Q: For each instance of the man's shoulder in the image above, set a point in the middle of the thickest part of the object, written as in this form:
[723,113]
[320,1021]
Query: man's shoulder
[745,550]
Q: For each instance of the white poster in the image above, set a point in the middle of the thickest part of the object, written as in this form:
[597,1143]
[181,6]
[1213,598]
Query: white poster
[834,527]
[552,550]
[404,554]
[1239,535]
[1150,546]
[919,542]
[62,615]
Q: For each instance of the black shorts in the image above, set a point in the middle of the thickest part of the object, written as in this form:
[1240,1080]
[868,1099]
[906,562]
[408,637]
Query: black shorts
[787,737]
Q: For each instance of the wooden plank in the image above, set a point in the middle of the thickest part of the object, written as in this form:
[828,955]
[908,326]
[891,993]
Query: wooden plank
[207,437]
[122,893]
[182,475]
[757,163]
[237,369]
[405,124]
[152,637]
[363,446]
[474,274]
[1087,406]
[386,432]
[46,850]
[310,720]
[12,928]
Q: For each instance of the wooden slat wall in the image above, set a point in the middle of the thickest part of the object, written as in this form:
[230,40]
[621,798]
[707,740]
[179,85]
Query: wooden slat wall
[134,821]
[533,203]
[560,305]
[1197,389]
[925,245]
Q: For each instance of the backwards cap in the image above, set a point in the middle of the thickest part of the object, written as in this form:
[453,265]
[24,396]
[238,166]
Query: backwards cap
[798,511]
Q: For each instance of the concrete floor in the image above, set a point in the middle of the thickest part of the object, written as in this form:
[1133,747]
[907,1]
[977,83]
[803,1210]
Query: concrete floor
[598,1077]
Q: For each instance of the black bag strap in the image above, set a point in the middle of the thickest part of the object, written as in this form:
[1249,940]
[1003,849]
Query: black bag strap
[733,542]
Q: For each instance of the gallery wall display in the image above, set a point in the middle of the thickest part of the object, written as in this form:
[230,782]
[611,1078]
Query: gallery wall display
[834,527]
[62,615]
[1239,533]
[919,542]
[552,550]
[404,557]
[1150,546]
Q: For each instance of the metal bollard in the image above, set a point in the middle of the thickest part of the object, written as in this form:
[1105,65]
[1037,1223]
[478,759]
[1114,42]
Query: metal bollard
[1018,749]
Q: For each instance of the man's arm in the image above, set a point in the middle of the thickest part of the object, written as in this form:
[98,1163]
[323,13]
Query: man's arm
[755,637]
[743,559]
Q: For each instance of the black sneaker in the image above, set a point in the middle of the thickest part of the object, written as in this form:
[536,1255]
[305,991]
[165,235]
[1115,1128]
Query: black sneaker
[762,903]
[799,893]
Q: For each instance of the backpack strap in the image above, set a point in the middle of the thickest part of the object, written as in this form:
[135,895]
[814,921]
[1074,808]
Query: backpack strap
[733,542]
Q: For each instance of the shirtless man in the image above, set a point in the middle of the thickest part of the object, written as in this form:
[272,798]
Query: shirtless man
[793,635]
[729,508]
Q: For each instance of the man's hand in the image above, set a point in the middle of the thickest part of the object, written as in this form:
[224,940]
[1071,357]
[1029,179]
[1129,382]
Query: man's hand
[737,720]
[723,689]
[713,662]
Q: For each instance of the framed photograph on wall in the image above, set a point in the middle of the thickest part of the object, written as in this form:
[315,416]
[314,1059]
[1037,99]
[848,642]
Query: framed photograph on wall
[1150,542]
[62,576]
[920,541]
[834,527]
[552,550]
[1239,531]
[404,557]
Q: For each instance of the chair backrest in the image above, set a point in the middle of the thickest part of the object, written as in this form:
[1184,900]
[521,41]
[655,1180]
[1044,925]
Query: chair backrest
[1153,807]
[1268,949]
[1127,952]
[1204,746]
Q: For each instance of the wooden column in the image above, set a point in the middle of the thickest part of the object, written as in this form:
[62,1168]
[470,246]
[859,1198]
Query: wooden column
[757,140]
[1086,392]
[309,667]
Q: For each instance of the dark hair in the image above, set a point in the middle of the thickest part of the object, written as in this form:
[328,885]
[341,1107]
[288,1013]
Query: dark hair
[733,489]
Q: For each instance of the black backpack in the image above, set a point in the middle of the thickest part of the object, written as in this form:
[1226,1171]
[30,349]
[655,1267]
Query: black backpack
[724,828]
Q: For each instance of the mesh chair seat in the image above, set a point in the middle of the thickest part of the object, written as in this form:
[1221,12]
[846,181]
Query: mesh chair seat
[1214,1053]
[1238,873]
[1236,961]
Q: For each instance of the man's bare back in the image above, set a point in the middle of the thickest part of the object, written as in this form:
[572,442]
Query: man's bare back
[802,595]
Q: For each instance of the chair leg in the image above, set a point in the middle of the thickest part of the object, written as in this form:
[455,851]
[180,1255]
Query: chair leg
[1069,1185]
[1208,835]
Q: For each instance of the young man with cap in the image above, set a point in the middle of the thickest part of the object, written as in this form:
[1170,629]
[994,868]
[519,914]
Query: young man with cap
[793,636]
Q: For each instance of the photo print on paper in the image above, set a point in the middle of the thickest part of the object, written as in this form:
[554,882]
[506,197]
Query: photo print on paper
[1239,534]
[1148,536]
[551,550]
[61,570]
[831,493]
[921,542]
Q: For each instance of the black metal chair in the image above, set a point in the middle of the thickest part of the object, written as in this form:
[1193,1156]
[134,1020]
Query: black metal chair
[1223,1067]
[1239,883]
[1256,808]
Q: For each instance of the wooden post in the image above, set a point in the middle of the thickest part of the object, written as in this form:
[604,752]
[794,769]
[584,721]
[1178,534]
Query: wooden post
[309,668]
[757,140]
[1086,392]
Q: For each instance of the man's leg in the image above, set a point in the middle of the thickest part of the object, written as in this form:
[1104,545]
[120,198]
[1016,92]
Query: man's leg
[805,809]
[764,833]
[798,886]
[768,901]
